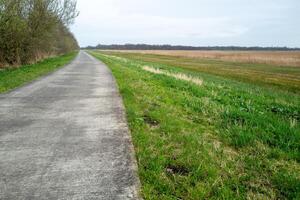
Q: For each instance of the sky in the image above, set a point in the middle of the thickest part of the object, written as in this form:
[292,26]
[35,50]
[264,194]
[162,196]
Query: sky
[189,22]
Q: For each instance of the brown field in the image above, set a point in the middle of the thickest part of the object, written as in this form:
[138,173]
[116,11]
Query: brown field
[277,75]
[278,58]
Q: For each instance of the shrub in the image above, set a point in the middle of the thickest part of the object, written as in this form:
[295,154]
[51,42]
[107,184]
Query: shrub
[31,30]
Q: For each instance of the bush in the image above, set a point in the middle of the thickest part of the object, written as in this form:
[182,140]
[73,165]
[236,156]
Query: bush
[31,30]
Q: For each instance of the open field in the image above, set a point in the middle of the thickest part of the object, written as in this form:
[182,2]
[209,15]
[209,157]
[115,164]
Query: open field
[283,77]
[278,58]
[226,138]
[11,78]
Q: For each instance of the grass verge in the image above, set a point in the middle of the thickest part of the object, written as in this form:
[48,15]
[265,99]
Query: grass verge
[279,77]
[15,77]
[224,139]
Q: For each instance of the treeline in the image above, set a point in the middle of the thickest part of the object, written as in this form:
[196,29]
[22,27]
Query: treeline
[178,47]
[31,30]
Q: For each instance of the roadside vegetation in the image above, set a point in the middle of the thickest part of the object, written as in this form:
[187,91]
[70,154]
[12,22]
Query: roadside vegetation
[226,138]
[281,77]
[11,78]
[32,30]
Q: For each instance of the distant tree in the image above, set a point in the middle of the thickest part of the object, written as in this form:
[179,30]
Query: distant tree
[178,47]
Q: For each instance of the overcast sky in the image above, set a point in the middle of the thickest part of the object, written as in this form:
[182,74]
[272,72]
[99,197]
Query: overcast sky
[189,22]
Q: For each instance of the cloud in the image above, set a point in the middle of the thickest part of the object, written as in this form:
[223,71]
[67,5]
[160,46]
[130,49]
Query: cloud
[110,22]
[192,22]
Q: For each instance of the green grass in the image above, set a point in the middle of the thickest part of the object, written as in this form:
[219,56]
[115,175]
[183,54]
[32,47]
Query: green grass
[15,77]
[226,139]
[281,77]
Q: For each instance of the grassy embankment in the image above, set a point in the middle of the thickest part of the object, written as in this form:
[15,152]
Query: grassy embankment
[224,139]
[283,77]
[11,78]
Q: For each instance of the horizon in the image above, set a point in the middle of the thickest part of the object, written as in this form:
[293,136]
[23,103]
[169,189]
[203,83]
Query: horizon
[229,46]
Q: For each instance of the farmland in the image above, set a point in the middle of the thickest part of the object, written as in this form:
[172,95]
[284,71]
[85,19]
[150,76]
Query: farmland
[283,77]
[277,58]
[233,135]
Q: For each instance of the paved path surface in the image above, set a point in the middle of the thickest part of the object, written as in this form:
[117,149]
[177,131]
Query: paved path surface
[64,136]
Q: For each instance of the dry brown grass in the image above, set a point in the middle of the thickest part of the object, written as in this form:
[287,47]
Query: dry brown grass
[38,57]
[179,76]
[285,77]
[278,58]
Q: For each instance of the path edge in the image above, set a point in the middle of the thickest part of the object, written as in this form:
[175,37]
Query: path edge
[134,166]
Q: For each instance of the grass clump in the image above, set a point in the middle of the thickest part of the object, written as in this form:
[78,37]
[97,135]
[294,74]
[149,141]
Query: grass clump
[224,139]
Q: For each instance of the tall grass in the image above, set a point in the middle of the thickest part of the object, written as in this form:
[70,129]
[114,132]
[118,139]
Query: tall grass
[278,58]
